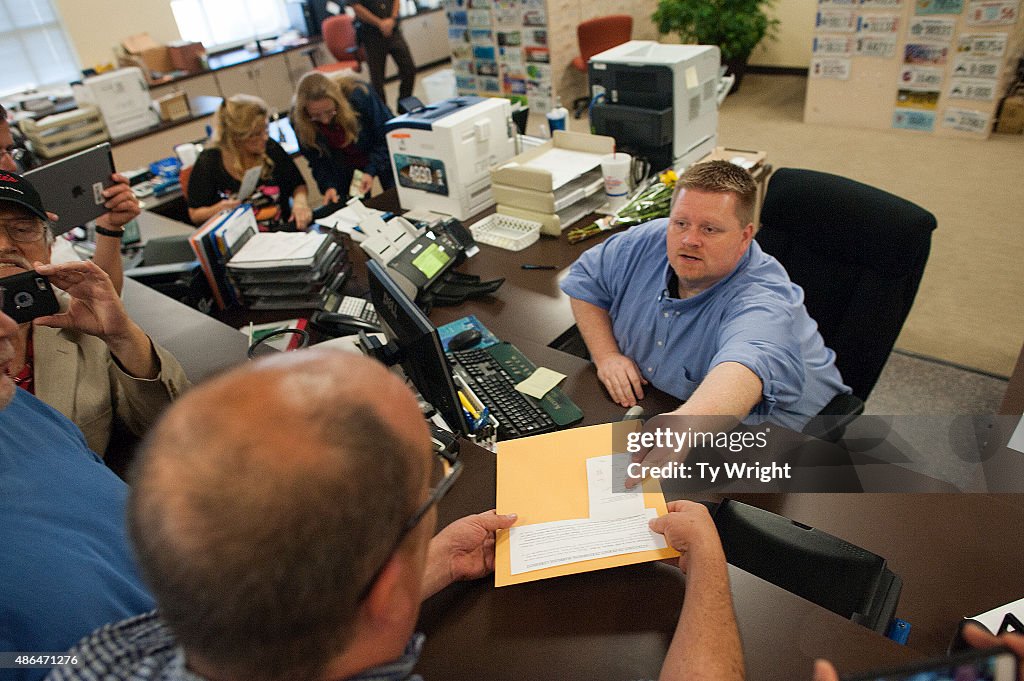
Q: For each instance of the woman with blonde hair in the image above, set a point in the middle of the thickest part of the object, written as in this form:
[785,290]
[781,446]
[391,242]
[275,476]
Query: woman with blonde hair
[340,126]
[242,141]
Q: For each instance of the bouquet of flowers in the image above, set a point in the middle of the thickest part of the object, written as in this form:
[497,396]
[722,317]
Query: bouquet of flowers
[650,200]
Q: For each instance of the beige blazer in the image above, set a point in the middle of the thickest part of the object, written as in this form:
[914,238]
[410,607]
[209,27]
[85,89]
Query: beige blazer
[75,374]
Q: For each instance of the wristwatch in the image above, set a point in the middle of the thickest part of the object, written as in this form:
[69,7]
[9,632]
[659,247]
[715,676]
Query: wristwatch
[117,234]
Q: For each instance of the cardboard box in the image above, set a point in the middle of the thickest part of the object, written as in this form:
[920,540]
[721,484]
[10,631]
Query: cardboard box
[1011,115]
[173,107]
[145,53]
[187,56]
[532,190]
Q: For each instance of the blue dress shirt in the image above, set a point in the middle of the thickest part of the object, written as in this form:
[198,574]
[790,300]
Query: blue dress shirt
[755,316]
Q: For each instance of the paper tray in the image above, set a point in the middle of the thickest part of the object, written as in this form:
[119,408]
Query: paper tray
[505,231]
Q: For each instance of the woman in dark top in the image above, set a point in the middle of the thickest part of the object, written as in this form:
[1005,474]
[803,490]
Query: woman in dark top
[241,141]
[340,126]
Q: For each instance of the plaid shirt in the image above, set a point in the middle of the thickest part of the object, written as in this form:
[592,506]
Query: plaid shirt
[142,648]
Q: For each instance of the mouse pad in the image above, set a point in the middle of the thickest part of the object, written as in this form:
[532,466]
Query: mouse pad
[452,329]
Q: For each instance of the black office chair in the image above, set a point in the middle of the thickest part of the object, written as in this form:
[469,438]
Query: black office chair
[812,564]
[859,253]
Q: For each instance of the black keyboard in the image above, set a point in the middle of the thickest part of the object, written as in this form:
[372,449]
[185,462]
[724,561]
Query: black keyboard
[517,414]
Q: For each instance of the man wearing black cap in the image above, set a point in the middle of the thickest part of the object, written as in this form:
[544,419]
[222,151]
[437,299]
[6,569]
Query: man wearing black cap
[90,361]
[118,199]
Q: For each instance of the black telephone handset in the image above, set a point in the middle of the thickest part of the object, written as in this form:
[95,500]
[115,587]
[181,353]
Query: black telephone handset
[337,324]
[458,231]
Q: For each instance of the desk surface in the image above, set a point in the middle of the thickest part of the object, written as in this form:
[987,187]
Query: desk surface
[616,624]
[958,554]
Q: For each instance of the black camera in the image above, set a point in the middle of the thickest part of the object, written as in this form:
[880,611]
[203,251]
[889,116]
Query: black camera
[28,295]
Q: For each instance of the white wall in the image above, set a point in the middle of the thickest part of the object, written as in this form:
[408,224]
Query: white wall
[96,26]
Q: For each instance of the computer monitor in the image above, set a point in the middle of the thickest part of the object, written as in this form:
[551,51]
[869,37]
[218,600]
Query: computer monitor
[419,346]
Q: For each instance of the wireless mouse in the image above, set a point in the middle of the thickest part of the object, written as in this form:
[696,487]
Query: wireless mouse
[464,340]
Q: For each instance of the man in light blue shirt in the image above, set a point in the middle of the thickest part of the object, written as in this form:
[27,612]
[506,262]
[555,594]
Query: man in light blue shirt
[692,305]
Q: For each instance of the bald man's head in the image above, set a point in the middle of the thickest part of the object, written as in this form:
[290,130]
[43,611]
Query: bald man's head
[266,499]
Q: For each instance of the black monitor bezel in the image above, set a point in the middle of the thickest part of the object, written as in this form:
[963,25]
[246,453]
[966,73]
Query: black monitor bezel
[419,346]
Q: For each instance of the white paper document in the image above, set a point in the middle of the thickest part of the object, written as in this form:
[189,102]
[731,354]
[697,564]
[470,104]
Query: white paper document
[993,619]
[278,247]
[347,220]
[565,164]
[544,545]
[609,498]
[1017,439]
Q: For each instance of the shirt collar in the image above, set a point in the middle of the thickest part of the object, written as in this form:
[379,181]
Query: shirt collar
[399,669]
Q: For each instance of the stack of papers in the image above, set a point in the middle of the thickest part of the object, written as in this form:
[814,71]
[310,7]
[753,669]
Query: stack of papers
[289,270]
[347,220]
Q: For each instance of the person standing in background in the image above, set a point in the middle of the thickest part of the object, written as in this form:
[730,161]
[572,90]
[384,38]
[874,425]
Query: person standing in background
[380,35]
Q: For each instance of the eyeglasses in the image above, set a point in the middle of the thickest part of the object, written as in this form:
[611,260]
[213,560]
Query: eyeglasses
[446,470]
[24,231]
[17,154]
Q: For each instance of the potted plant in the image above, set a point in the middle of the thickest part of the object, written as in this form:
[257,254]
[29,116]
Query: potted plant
[736,26]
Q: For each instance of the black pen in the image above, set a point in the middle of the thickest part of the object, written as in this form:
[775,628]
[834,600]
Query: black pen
[539,267]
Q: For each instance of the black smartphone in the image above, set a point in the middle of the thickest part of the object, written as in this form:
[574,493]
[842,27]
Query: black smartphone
[993,664]
[28,295]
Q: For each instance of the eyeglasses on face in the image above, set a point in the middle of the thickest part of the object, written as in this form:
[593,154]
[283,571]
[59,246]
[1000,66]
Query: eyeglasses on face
[17,154]
[24,230]
[446,470]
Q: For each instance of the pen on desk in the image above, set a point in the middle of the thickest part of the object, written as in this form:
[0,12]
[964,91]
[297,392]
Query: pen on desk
[468,406]
[482,421]
[539,267]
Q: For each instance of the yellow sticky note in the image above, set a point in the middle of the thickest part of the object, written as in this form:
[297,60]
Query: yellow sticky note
[540,382]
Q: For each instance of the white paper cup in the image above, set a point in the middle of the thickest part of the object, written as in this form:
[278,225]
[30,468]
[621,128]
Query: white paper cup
[615,168]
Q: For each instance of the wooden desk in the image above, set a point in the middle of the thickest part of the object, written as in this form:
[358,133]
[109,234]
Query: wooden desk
[957,553]
[616,624]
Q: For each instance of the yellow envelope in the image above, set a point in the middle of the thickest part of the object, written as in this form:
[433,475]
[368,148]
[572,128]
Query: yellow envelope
[544,478]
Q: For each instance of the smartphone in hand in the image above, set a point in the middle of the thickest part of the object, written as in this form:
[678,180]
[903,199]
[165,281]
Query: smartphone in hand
[28,295]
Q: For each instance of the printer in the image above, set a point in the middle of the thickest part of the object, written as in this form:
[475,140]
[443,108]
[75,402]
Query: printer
[441,154]
[657,101]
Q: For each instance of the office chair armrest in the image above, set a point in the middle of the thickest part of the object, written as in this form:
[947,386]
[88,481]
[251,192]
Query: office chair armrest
[833,419]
